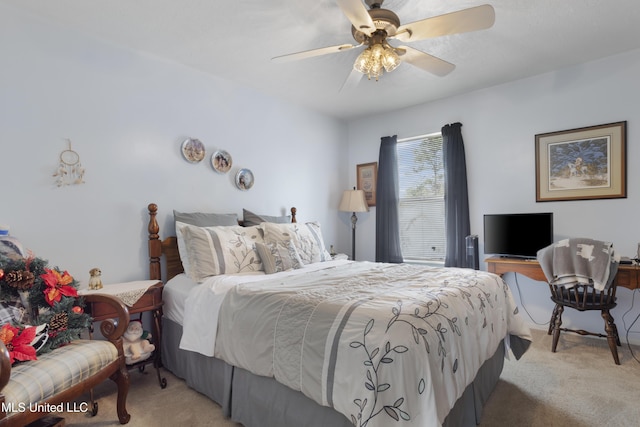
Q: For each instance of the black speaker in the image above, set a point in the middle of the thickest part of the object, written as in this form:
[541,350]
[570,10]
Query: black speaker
[473,260]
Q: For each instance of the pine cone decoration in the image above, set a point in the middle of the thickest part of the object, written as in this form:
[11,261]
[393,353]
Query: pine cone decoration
[59,322]
[22,280]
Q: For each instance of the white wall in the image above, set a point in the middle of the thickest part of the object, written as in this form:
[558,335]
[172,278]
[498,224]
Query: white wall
[127,114]
[499,126]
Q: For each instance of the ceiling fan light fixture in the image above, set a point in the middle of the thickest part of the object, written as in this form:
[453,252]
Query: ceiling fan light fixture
[362,61]
[375,59]
[390,59]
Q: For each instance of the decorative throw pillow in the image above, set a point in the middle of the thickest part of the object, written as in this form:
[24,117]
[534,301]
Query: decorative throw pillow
[221,250]
[277,257]
[200,219]
[250,219]
[307,238]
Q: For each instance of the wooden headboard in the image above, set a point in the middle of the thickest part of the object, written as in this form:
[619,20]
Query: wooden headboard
[168,247]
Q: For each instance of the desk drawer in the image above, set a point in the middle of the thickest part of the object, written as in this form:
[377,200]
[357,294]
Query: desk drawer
[627,277]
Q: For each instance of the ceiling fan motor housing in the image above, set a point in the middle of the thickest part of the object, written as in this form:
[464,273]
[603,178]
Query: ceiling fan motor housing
[384,20]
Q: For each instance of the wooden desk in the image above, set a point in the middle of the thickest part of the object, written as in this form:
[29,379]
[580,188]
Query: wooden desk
[628,275]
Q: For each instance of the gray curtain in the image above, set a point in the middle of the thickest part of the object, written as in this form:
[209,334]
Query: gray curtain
[456,196]
[387,198]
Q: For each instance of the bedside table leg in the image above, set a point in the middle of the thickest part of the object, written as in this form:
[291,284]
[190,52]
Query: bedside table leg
[157,358]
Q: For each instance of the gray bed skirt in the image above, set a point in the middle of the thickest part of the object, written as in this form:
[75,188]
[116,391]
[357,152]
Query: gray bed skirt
[256,401]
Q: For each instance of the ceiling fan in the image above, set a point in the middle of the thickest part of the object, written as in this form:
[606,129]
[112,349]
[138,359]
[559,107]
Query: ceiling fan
[375,27]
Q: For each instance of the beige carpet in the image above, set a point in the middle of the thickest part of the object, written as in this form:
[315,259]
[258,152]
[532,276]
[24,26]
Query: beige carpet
[579,386]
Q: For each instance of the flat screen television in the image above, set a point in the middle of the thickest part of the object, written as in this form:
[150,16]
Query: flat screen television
[518,235]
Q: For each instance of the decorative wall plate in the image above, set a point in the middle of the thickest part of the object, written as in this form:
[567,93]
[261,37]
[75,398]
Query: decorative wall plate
[193,150]
[244,179]
[221,161]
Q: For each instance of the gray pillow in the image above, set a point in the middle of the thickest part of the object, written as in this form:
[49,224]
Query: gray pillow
[201,219]
[250,218]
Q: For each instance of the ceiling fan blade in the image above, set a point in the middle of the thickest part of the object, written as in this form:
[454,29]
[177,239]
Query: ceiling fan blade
[427,62]
[351,81]
[358,15]
[313,52]
[462,21]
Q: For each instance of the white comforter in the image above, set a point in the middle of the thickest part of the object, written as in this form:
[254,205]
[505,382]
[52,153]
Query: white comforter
[377,342]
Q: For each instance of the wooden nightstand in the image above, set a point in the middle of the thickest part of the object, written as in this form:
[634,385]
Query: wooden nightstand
[149,301]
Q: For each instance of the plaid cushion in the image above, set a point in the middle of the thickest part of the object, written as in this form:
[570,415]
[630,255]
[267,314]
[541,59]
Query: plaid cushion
[56,371]
[12,312]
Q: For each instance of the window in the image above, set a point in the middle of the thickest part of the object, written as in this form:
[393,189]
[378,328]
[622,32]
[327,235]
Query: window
[421,210]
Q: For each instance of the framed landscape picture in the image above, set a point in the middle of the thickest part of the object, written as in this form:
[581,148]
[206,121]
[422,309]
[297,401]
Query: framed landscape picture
[367,176]
[581,164]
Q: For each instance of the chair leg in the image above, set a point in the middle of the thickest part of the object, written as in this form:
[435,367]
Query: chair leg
[94,404]
[121,378]
[556,326]
[552,322]
[615,330]
[612,334]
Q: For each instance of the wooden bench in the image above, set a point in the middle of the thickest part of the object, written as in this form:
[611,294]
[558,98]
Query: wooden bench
[30,390]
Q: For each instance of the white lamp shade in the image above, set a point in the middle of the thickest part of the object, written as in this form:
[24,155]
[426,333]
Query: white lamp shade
[353,201]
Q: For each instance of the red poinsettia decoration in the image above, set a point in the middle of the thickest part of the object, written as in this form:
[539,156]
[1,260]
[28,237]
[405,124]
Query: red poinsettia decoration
[18,342]
[58,284]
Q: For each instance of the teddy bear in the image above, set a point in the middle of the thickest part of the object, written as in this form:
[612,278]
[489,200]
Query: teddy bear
[95,281]
[136,348]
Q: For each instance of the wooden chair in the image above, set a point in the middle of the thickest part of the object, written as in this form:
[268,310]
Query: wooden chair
[585,298]
[580,273]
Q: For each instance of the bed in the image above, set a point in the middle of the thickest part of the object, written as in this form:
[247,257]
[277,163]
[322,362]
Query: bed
[266,324]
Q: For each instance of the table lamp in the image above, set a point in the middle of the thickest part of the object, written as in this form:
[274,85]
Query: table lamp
[353,201]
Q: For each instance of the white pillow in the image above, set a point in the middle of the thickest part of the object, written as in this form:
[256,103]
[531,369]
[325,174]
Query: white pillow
[200,219]
[221,250]
[278,257]
[307,238]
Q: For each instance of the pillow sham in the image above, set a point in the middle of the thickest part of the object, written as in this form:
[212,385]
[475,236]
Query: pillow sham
[307,238]
[278,257]
[221,250]
[200,219]
[249,218]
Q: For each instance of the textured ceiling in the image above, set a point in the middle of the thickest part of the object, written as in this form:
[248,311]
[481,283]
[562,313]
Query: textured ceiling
[236,40]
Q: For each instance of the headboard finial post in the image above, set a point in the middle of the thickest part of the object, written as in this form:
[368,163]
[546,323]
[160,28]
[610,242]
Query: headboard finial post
[293,214]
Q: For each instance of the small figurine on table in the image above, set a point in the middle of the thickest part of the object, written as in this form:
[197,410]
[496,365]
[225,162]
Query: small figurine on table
[95,280]
[136,347]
